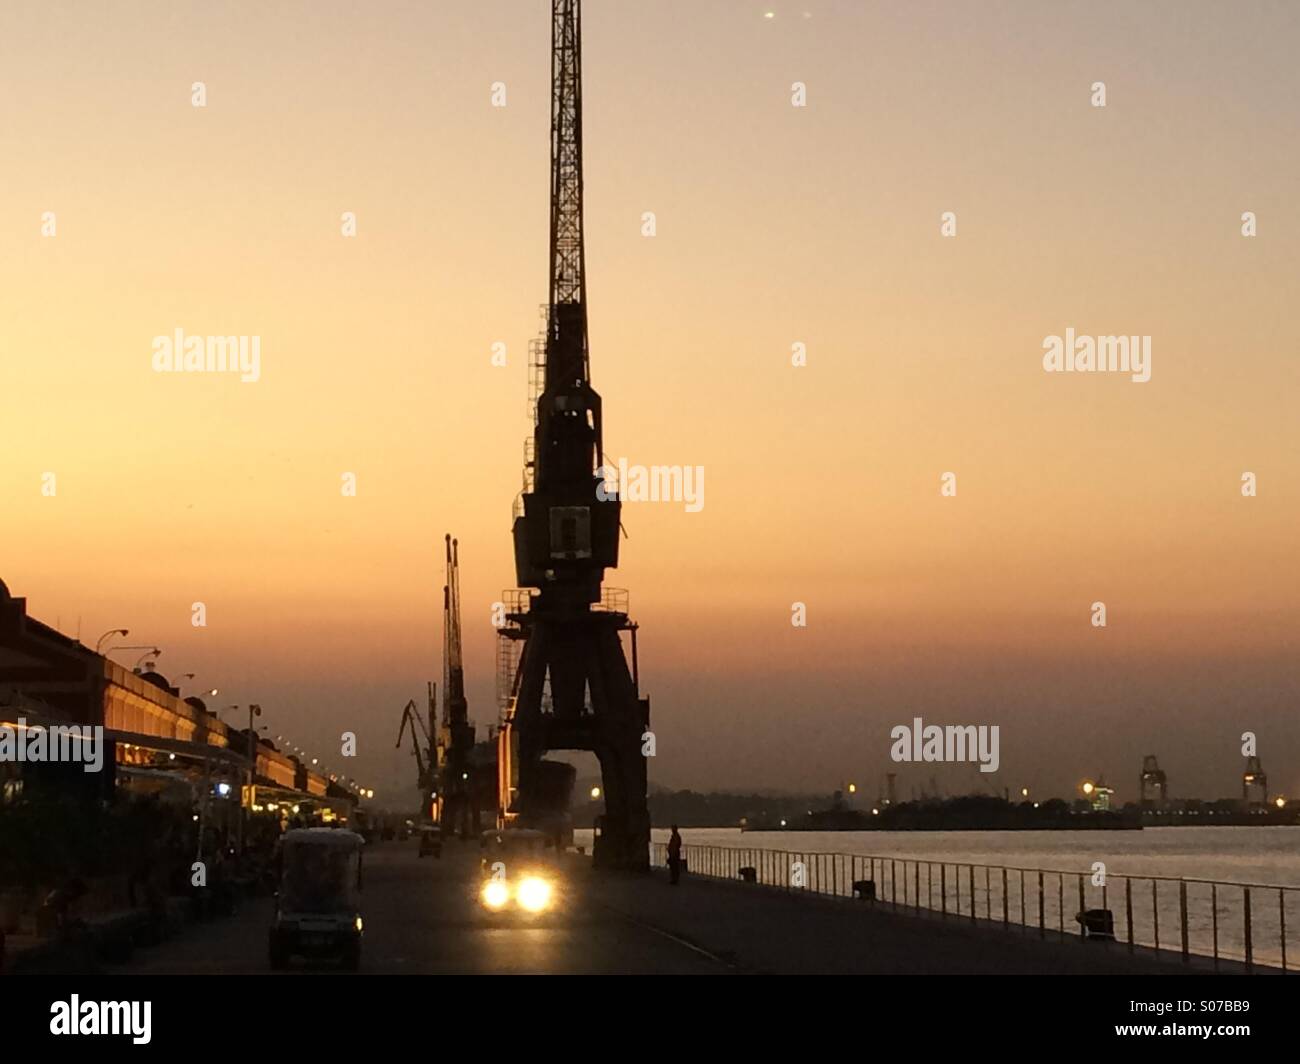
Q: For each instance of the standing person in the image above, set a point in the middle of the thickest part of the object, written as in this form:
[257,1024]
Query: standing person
[674,856]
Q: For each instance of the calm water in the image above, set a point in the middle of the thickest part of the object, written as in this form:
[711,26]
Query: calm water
[1251,855]
[929,869]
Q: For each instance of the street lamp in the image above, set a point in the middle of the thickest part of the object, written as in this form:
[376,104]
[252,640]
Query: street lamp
[595,793]
[99,645]
[211,692]
[155,652]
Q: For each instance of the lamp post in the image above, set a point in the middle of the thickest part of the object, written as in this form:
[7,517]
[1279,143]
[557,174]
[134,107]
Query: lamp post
[155,652]
[211,692]
[99,644]
[254,710]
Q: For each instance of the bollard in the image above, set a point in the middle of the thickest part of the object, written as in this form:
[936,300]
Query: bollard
[1097,923]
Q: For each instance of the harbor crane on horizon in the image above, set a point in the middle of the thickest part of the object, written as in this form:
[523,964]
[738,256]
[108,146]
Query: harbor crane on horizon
[572,688]
[458,811]
[1254,777]
[424,761]
[1153,779]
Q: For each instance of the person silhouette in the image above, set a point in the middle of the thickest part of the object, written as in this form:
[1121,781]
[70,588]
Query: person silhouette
[674,856]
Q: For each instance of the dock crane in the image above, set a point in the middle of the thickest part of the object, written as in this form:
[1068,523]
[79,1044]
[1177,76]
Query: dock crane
[573,689]
[460,814]
[1256,777]
[1154,780]
[425,760]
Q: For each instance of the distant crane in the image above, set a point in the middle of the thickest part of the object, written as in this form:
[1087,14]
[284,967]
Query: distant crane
[456,735]
[1254,776]
[424,757]
[1153,779]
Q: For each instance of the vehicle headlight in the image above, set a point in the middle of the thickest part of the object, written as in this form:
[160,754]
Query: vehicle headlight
[495,894]
[534,894]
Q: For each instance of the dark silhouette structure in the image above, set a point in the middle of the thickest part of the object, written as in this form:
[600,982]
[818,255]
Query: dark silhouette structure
[456,736]
[572,688]
[1254,778]
[425,756]
[1153,788]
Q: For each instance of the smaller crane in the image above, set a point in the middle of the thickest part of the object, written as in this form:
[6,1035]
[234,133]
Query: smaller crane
[460,814]
[1153,781]
[1254,777]
[424,760]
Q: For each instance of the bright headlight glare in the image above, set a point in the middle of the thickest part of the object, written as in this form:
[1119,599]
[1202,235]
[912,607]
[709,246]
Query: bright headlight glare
[495,894]
[534,894]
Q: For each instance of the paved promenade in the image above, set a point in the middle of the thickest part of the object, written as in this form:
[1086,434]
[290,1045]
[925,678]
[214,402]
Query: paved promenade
[423,916]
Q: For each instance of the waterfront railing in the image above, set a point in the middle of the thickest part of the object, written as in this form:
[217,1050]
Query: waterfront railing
[1251,924]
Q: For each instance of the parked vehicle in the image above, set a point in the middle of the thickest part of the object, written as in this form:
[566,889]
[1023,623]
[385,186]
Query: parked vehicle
[430,840]
[318,901]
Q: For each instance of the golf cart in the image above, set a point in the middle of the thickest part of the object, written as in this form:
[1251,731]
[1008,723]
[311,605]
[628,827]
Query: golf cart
[318,902]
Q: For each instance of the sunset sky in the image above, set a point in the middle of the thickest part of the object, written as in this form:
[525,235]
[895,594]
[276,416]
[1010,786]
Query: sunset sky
[776,225]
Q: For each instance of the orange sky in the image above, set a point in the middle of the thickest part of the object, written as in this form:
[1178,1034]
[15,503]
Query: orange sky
[775,225]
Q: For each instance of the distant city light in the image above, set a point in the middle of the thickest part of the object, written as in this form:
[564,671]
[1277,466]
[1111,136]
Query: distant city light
[595,793]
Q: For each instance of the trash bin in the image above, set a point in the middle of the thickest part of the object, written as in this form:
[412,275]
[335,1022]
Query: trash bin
[864,889]
[749,875]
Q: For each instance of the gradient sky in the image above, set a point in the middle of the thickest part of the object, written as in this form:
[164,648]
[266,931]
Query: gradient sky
[776,225]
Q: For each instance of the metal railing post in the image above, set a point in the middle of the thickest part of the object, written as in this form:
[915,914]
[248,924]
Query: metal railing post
[1083,908]
[1281,922]
[1128,911]
[1042,931]
[1182,914]
[1250,953]
[1214,921]
[1006,919]
[1155,911]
